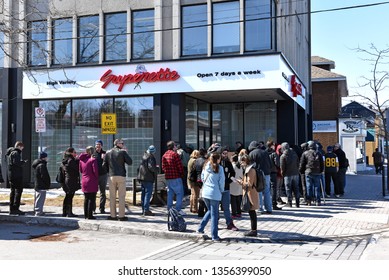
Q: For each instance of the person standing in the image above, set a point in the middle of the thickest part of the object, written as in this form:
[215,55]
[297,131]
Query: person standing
[331,165]
[15,175]
[289,163]
[213,186]
[343,165]
[378,161]
[71,168]
[275,163]
[174,172]
[236,189]
[89,170]
[42,183]
[192,182]
[312,165]
[99,154]
[147,175]
[115,160]
[248,184]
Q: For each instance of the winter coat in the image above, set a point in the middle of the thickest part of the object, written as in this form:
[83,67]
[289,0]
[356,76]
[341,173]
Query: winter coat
[213,183]
[341,158]
[42,177]
[228,173]
[274,160]
[148,169]
[15,165]
[311,163]
[260,157]
[236,188]
[72,174]
[115,160]
[89,170]
[99,158]
[249,180]
[289,163]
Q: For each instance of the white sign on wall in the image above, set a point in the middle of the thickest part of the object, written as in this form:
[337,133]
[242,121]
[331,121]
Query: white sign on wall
[323,126]
[352,127]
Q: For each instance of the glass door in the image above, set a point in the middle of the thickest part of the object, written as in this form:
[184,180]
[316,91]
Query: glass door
[204,137]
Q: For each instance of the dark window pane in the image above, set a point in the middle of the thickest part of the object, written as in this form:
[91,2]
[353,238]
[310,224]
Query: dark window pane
[143,34]
[257,25]
[226,27]
[88,42]
[116,37]
[62,44]
[37,44]
[194,31]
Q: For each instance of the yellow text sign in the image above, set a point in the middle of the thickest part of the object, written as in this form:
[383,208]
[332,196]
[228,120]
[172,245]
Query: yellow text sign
[108,123]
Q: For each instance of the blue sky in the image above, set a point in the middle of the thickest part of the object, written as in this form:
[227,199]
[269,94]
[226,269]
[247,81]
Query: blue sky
[335,34]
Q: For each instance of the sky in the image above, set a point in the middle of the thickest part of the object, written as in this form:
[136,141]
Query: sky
[335,34]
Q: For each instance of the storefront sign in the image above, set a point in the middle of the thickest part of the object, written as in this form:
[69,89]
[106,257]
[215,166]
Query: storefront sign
[108,123]
[352,127]
[323,126]
[297,88]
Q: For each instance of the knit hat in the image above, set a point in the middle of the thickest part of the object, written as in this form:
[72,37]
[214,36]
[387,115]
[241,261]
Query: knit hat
[99,142]
[42,155]
[151,149]
[330,149]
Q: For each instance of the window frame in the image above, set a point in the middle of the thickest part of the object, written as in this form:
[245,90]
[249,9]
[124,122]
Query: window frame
[133,35]
[54,61]
[31,43]
[105,37]
[79,38]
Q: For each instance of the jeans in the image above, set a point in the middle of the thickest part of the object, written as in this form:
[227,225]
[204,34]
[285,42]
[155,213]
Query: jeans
[174,187]
[226,206]
[213,214]
[265,200]
[147,191]
[313,187]
[292,185]
[40,197]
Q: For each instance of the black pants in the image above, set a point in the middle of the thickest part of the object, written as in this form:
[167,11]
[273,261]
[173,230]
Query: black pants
[102,188]
[253,219]
[68,203]
[303,189]
[89,204]
[273,188]
[15,195]
[378,168]
[236,201]
[328,177]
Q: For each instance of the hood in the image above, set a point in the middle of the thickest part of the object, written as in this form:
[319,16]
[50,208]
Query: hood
[36,162]
[10,150]
[253,145]
[312,145]
[84,157]
[284,147]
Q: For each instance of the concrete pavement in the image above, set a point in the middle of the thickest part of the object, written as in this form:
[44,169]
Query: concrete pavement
[361,212]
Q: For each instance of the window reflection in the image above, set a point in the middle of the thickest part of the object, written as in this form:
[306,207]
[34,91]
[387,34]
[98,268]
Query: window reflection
[88,39]
[62,41]
[37,43]
[194,31]
[257,25]
[115,36]
[143,34]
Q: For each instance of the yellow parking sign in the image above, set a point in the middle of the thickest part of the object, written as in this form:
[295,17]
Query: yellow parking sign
[108,123]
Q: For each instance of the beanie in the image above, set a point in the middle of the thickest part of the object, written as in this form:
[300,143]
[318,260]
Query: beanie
[42,155]
[99,142]
[151,149]
[330,149]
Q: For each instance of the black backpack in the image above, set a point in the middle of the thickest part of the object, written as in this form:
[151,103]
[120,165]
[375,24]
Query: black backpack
[175,221]
[261,181]
[60,178]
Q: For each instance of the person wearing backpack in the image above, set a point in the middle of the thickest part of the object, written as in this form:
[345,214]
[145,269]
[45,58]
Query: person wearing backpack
[147,175]
[192,182]
[213,186]
[42,183]
[289,163]
[311,163]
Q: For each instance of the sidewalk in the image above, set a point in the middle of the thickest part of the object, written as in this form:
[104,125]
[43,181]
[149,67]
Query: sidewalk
[361,211]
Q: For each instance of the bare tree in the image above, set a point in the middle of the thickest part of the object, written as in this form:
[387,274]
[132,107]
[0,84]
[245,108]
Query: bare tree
[378,84]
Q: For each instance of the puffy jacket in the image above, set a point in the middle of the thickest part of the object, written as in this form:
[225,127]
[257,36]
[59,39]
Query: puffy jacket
[148,169]
[213,183]
[274,160]
[42,177]
[289,162]
[311,163]
[115,160]
[15,164]
[72,174]
[89,173]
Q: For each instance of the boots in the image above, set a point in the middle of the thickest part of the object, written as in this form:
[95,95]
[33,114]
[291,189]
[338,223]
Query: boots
[251,233]
[70,212]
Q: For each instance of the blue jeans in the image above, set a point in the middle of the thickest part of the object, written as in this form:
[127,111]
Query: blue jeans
[213,214]
[292,185]
[174,187]
[226,200]
[313,187]
[147,191]
[265,201]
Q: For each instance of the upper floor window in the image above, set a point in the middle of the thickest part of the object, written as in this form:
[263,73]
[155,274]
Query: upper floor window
[194,30]
[37,43]
[257,25]
[115,36]
[143,34]
[88,39]
[226,35]
[1,48]
[62,41]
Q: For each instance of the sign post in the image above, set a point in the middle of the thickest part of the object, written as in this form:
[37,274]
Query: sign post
[40,123]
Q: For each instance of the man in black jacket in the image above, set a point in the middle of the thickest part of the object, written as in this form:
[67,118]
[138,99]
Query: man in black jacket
[15,176]
[99,154]
[42,183]
[343,164]
[289,163]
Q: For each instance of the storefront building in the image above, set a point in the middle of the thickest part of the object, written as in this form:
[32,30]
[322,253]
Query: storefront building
[195,72]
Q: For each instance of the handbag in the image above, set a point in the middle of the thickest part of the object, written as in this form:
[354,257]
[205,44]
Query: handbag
[246,204]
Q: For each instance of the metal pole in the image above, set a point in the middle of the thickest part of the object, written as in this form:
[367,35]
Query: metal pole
[383,179]
[134,191]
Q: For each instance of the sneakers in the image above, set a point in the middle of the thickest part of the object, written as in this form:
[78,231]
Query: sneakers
[337,195]
[17,212]
[200,231]
[123,219]
[102,211]
[328,195]
[112,218]
[232,227]
[275,207]
[251,233]
[289,204]
[39,214]
[148,213]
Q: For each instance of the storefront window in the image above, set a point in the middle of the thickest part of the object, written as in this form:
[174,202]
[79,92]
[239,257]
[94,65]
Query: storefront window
[191,122]
[88,39]
[37,43]
[194,30]
[260,122]
[226,34]
[1,48]
[143,34]
[257,25]
[115,37]
[57,136]
[62,41]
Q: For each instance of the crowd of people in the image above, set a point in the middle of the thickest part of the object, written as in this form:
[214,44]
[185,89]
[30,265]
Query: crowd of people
[218,177]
